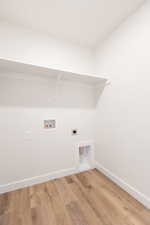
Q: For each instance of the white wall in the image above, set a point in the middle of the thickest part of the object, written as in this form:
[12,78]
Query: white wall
[123,138]
[26,46]
[27,150]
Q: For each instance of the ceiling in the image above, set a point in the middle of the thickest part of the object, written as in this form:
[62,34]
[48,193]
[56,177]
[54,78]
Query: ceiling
[85,22]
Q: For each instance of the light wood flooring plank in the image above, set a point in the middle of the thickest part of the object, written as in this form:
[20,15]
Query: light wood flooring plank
[87,198]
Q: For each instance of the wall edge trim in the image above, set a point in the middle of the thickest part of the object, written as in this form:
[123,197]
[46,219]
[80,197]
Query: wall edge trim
[145,200]
[36,180]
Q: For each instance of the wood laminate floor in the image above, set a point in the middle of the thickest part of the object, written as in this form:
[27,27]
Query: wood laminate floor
[87,198]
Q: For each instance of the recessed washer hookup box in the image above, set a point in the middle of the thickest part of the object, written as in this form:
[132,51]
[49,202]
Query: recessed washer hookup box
[48,124]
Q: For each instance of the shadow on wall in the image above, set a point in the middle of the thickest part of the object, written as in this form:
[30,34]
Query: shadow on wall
[23,90]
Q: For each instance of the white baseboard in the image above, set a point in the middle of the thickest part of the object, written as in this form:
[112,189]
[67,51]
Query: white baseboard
[128,188]
[35,180]
[57,174]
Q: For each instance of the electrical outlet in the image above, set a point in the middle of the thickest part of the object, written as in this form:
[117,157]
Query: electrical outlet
[74,132]
[28,135]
